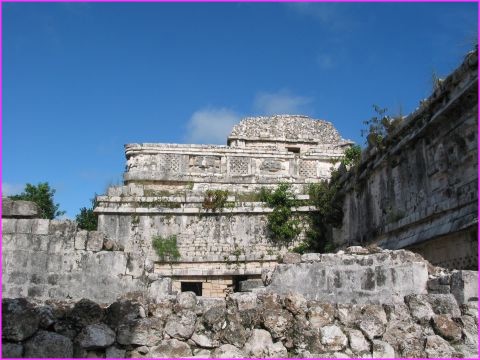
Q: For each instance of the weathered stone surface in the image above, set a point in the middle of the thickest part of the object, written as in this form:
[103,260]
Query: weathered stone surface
[345,278]
[159,288]
[357,342]
[95,240]
[96,336]
[182,325]
[233,332]
[228,351]
[10,350]
[444,304]
[114,352]
[267,276]
[147,331]
[446,327]
[464,286]
[249,285]
[258,344]
[204,341]
[357,250]
[295,303]
[121,312]
[320,314]
[244,301]
[405,337]
[172,348]
[19,319]
[291,258]
[19,209]
[436,347]
[186,301]
[81,240]
[333,338]
[46,344]
[277,321]
[381,349]
[47,317]
[372,327]
[86,312]
[420,307]
[215,318]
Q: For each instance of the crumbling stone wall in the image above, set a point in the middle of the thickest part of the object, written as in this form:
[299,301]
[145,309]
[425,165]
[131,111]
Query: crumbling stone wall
[420,192]
[435,317]
[244,325]
[53,259]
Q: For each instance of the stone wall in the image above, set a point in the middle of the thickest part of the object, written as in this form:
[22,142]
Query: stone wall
[53,259]
[420,192]
[245,325]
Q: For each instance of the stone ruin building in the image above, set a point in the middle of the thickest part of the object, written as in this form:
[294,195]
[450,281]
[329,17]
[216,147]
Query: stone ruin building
[165,186]
[69,292]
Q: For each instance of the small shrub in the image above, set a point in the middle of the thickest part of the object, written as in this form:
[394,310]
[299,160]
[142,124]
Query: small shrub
[283,226]
[352,156]
[215,199]
[166,248]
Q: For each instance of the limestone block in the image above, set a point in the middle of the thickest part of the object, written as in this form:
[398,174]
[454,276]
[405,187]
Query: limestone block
[24,226]
[333,338]
[95,240]
[464,286]
[20,320]
[172,348]
[81,239]
[96,336]
[446,327]
[148,331]
[8,226]
[382,349]
[228,351]
[160,288]
[436,347]
[40,226]
[19,209]
[46,344]
[182,325]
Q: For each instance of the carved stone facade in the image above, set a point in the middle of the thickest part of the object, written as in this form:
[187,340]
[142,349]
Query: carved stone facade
[420,192]
[165,186]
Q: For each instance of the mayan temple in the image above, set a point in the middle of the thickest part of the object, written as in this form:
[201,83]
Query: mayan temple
[165,189]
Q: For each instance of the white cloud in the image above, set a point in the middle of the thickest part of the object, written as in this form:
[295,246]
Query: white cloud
[282,102]
[12,189]
[211,125]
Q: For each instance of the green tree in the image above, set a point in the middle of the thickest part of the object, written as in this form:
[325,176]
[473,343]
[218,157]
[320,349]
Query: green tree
[42,195]
[87,219]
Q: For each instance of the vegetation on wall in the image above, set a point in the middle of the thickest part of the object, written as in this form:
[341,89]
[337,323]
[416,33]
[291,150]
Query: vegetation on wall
[328,202]
[42,195]
[379,126]
[352,156]
[166,248]
[282,223]
[87,219]
[215,200]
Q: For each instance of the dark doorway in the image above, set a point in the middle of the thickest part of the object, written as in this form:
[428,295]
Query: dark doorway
[236,282]
[196,287]
[294,150]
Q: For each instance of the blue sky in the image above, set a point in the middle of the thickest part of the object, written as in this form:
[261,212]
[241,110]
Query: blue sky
[80,80]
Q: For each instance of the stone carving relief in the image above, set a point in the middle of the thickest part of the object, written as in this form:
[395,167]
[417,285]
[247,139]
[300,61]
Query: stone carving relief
[239,165]
[272,165]
[308,168]
[202,164]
